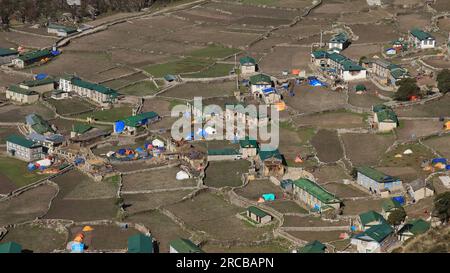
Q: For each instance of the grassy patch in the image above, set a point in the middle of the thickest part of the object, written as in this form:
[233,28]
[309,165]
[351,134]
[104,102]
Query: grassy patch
[186,65]
[16,171]
[217,70]
[72,105]
[213,52]
[109,115]
[226,173]
[140,89]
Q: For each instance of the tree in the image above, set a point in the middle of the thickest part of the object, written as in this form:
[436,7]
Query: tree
[443,79]
[408,88]
[397,216]
[441,207]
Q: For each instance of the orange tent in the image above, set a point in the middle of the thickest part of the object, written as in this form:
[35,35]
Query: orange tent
[88,228]
[79,238]
[447,125]
[298,159]
[281,106]
[296,71]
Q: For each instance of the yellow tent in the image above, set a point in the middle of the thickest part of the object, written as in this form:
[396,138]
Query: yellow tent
[88,228]
[281,106]
[447,125]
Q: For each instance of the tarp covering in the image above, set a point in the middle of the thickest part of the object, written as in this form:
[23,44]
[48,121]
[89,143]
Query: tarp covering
[182,175]
[158,143]
[399,199]
[268,196]
[40,76]
[77,247]
[44,162]
[439,160]
[119,126]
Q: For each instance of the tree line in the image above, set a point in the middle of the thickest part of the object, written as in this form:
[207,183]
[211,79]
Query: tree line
[36,11]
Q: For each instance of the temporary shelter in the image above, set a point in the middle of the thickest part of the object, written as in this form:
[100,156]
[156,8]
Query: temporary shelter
[77,247]
[408,152]
[157,143]
[87,228]
[182,175]
[269,197]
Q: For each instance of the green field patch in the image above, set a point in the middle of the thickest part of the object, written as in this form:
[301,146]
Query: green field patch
[16,171]
[109,115]
[142,88]
[217,70]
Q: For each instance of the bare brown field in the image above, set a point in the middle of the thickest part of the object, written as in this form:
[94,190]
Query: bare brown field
[374,33]
[356,51]
[344,191]
[436,108]
[406,174]
[322,236]
[311,221]
[442,5]
[440,144]
[27,40]
[327,145]
[309,99]
[330,173]
[27,206]
[410,129]
[135,203]
[408,21]
[255,189]
[332,120]
[421,209]
[365,149]
[36,238]
[286,206]
[7,79]
[15,113]
[208,212]
[163,229]
[355,207]
[154,180]
[285,58]
[191,90]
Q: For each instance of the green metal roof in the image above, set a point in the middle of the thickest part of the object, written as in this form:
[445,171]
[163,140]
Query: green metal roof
[35,83]
[380,107]
[10,247]
[140,243]
[260,79]
[223,151]
[316,190]
[134,121]
[257,211]
[416,227]
[67,29]
[248,143]
[420,34]
[20,90]
[30,56]
[40,125]
[313,247]
[21,141]
[185,246]
[360,87]
[376,174]
[376,233]
[263,155]
[7,52]
[390,204]
[247,60]
[337,57]
[92,86]
[320,54]
[370,216]
[398,73]
[339,38]
[387,115]
[350,65]
[81,128]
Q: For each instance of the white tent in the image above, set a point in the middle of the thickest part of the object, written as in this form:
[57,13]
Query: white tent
[182,175]
[45,162]
[157,143]
[408,152]
[210,130]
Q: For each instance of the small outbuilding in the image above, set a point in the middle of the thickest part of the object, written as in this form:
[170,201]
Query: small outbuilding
[258,215]
[140,243]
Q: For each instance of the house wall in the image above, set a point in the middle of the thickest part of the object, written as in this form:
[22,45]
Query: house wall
[422,44]
[422,193]
[40,89]
[61,96]
[248,152]
[386,126]
[7,59]
[368,183]
[366,247]
[172,250]
[223,157]
[18,63]
[248,69]
[336,45]
[351,76]
[21,97]
[257,88]
[23,153]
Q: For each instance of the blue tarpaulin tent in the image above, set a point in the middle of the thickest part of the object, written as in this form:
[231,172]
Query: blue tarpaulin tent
[121,151]
[119,126]
[399,199]
[56,52]
[77,247]
[40,76]
[439,160]
[268,197]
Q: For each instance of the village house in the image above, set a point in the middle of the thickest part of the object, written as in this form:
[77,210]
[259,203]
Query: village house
[247,65]
[384,118]
[388,206]
[98,93]
[270,162]
[375,239]
[59,94]
[40,86]
[421,39]
[239,114]
[338,66]
[369,219]
[377,182]
[40,131]
[80,128]
[413,228]
[37,124]
[131,124]
[182,245]
[224,154]
[387,73]
[248,148]
[315,196]
[30,58]
[419,190]
[7,55]
[338,42]
[260,82]
[140,243]
[312,247]
[23,149]
[194,157]
[21,95]
[258,215]
[60,30]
